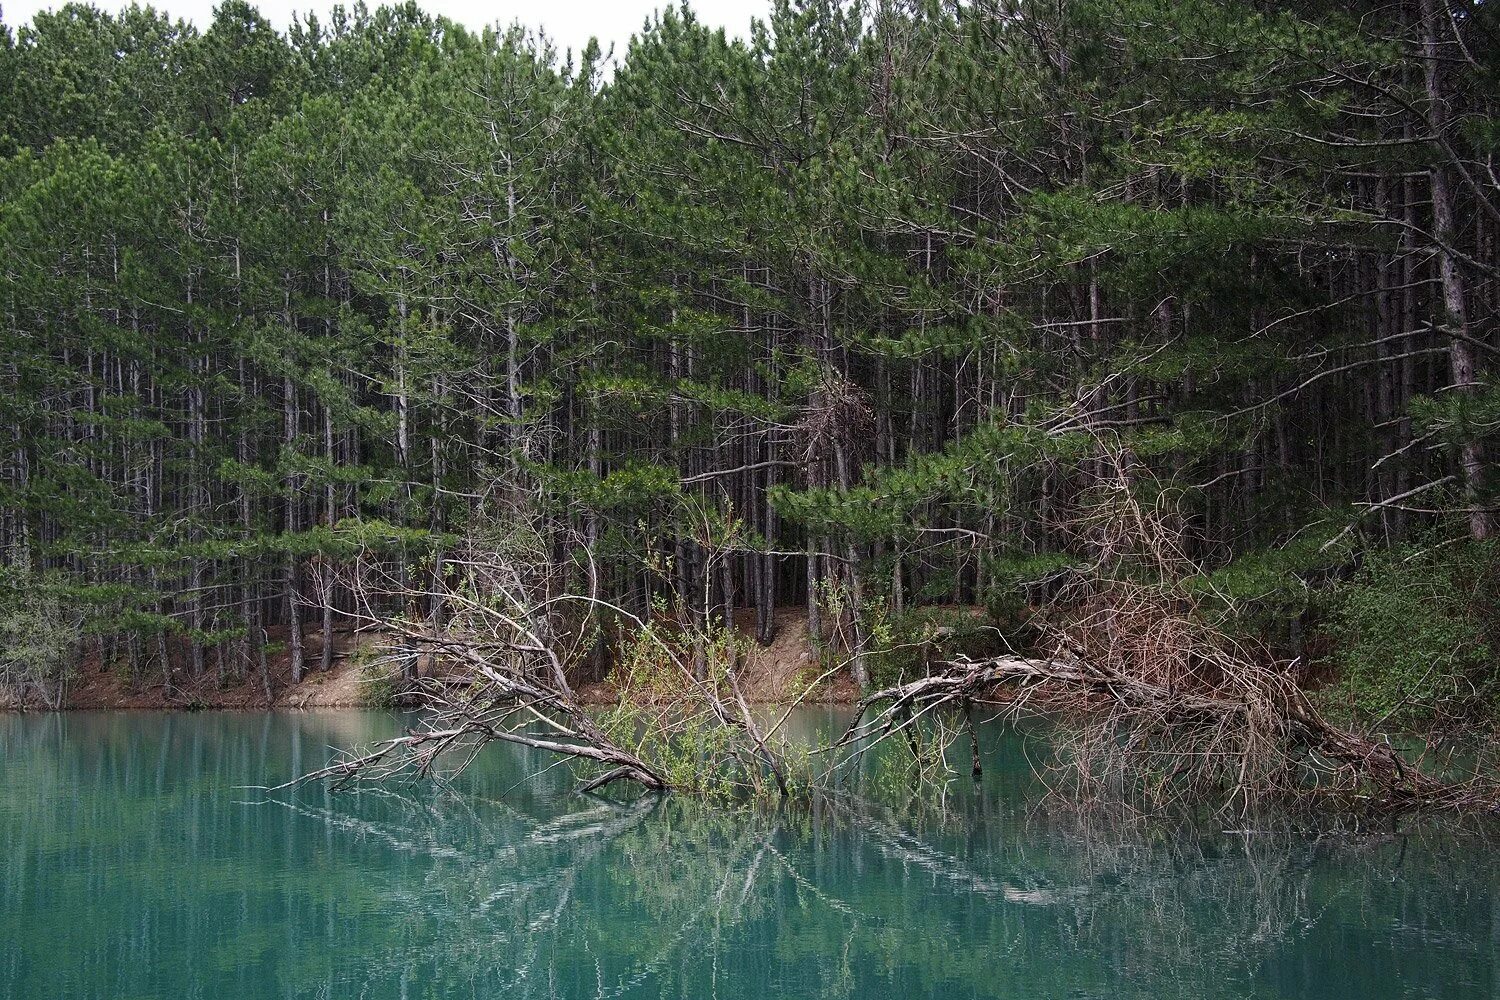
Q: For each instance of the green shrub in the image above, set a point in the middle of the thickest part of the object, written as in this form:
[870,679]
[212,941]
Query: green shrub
[904,643]
[1014,581]
[1011,616]
[1269,593]
[1417,634]
[39,640]
[380,681]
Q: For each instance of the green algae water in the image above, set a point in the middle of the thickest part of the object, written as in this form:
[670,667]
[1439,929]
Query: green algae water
[136,865]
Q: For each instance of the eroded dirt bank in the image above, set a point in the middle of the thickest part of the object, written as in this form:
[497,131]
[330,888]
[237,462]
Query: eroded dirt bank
[775,673]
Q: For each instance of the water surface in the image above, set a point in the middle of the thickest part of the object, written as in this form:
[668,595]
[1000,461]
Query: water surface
[133,865]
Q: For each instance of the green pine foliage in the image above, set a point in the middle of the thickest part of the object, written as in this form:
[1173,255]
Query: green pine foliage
[1417,633]
[844,306]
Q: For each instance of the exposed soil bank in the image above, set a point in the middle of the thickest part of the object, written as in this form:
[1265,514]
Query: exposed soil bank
[775,673]
[347,684]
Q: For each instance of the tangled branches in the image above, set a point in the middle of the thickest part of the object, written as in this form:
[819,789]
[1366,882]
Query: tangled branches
[1164,707]
[498,641]
[1167,708]
[835,431]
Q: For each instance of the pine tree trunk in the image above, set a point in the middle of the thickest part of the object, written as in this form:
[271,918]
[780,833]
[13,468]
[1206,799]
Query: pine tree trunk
[1455,307]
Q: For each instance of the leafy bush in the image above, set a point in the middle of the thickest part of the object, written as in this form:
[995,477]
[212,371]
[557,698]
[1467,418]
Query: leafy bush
[1270,592]
[1016,582]
[1418,633]
[380,681]
[904,643]
[39,638]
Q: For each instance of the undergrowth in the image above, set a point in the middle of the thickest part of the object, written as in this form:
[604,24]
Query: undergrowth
[1416,636]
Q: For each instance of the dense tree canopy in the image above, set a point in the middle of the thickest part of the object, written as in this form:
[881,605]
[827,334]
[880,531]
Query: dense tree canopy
[842,315]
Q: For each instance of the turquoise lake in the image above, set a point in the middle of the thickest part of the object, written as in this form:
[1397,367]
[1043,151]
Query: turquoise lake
[136,864]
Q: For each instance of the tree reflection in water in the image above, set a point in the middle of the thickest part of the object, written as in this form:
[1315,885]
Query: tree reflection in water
[137,865]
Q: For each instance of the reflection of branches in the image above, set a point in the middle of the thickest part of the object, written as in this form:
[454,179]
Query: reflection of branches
[719,868]
[523,886]
[557,908]
[1259,892]
[912,850]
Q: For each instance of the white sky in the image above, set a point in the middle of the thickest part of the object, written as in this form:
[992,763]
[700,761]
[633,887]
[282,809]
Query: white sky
[568,22]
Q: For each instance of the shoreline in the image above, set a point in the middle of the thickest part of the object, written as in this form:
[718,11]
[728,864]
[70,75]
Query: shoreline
[770,675]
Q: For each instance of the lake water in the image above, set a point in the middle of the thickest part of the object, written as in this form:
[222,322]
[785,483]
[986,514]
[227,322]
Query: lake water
[132,865]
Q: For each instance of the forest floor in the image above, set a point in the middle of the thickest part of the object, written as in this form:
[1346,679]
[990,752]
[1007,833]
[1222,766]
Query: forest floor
[770,674]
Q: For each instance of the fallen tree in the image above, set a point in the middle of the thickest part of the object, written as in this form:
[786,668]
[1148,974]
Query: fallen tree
[1159,705]
[498,642]
[1247,737]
